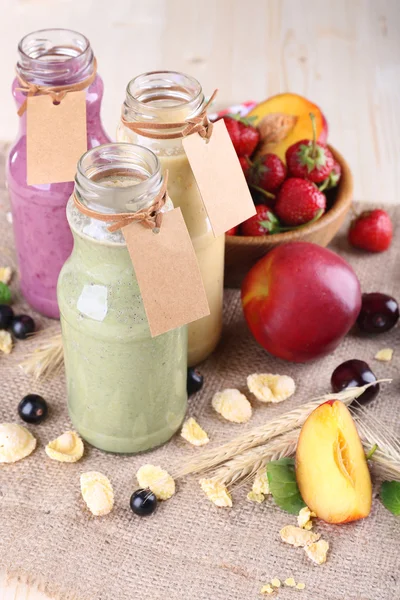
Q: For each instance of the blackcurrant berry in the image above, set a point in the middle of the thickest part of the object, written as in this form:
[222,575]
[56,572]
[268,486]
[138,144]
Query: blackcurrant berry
[22,326]
[6,316]
[194,381]
[33,409]
[143,502]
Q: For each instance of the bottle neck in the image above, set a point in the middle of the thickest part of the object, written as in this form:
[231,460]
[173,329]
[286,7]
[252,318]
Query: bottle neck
[163,97]
[55,57]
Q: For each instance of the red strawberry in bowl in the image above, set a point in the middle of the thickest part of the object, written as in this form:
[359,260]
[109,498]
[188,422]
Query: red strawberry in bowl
[310,159]
[246,165]
[267,172]
[264,222]
[243,134]
[371,231]
[299,201]
[232,231]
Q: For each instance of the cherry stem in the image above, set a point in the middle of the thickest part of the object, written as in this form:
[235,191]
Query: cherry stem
[314,131]
[263,192]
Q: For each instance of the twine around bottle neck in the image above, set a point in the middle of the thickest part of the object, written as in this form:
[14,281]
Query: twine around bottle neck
[151,217]
[56,92]
[199,124]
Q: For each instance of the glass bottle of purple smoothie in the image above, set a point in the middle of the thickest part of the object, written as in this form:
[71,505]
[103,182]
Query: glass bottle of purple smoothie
[43,239]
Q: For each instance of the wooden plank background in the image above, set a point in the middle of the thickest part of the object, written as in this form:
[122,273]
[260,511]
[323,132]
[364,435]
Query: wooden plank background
[343,54]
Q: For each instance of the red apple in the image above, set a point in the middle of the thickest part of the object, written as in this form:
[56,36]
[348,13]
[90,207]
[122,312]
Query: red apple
[300,300]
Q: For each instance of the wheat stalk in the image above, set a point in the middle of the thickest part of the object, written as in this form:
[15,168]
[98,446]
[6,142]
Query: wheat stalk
[244,466]
[46,359]
[261,435]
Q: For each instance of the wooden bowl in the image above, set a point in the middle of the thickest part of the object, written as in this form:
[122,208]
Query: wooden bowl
[241,252]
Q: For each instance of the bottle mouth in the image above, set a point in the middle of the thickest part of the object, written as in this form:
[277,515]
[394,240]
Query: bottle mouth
[118,177]
[53,45]
[54,56]
[153,94]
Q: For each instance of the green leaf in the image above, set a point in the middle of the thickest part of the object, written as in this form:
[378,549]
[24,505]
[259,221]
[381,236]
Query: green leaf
[283,485]
[5,293]
[390,496]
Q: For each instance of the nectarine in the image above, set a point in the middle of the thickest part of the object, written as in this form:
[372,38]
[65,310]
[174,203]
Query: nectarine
[331,469]
[300,300]
[294,123]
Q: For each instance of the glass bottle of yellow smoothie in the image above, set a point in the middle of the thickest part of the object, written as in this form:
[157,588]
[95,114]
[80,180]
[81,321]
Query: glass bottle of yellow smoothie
[126,390]
[169,97]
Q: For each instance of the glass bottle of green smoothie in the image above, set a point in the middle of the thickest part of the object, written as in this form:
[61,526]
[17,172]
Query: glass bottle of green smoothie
[126,390]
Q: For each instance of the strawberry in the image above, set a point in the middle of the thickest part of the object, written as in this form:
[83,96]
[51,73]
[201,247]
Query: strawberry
[262,223]
[334,177]
[372,231]
[232,231]
[310,159]
[243,134]
[245,164]
[268,172]
[299,201]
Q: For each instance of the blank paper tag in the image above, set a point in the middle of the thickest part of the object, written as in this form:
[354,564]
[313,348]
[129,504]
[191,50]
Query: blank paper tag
[55,137]
[168,273]
[220,179]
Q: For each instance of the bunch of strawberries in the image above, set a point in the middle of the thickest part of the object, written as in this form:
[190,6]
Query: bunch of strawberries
[292,195]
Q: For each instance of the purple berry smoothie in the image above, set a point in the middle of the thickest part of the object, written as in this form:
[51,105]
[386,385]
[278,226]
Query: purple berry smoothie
[42,235]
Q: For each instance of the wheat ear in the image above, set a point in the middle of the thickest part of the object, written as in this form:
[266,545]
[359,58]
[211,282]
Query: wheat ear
[261,435]
[245,466]
[45,360]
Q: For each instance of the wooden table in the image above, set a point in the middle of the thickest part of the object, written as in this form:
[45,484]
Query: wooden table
[342,54]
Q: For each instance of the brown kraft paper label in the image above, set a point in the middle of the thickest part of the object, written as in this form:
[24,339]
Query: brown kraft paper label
[56,137]
[220,179]
[168,273]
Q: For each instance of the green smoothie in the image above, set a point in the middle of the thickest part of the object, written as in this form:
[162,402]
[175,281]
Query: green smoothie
[126,390]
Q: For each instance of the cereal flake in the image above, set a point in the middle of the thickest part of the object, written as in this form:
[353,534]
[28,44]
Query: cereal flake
[232,405]
[317,551]
[300,586]
[290,582]
[6,342]
[271,388]
[68,447]
[157,480]
[298,537]
[260,484]
[267,589]
[193,433]
[6,274]
[16,442]
[384,355]
[276,582]
[255,497]
[216,492]
[97,492]
[304,518]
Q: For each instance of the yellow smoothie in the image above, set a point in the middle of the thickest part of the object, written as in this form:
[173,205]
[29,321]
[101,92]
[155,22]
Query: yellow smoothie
[204,334]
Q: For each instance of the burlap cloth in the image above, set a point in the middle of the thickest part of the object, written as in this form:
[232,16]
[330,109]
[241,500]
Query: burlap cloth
[189,548]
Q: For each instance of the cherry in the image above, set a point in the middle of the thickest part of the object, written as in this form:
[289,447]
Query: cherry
[355,373]
[378,313]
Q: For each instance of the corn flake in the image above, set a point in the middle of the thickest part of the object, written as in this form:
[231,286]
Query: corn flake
[300,586]
[317,551]
[6,274]
[16,442]
[260,484]
[232,405]
[97,492]
[193,433]
[68,447]
[290,582]
[271,388]
[6,342]
[255,497]
[298,537]
[276,582]
[216,492]
[304,518]
[157,480]
[267,589]
[384,355]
